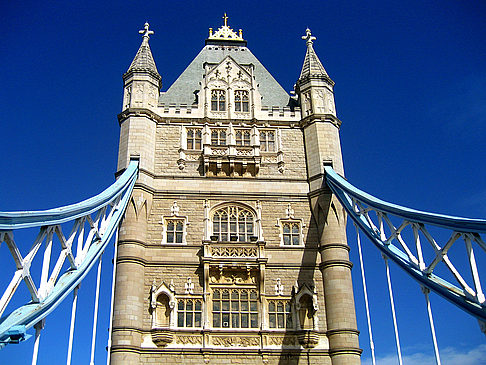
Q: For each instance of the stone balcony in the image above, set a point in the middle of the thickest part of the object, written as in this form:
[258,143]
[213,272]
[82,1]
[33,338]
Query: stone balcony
[231,160]
[234,252]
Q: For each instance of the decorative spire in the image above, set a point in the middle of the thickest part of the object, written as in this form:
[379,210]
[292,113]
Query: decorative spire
[144,61]
[225,33]
[312,65]
[146,32]
[308,37]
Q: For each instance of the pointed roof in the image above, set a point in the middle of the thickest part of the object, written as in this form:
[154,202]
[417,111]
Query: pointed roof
[182,90]
[312,65]
[144,61]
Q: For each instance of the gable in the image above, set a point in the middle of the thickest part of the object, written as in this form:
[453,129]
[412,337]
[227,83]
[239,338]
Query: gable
[182,90]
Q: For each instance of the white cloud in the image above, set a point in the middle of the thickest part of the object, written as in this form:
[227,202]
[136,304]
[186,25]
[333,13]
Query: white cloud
[448,356]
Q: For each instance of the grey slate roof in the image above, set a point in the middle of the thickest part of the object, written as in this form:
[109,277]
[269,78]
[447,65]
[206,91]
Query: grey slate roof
[312,65]
[143,61]
[182,90]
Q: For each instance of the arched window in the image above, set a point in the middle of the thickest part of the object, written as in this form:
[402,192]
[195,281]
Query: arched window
[175,230]
[218,100]
[194,138]
[233,223]
[241,101]
[243,138]
[267,141]
[291,233]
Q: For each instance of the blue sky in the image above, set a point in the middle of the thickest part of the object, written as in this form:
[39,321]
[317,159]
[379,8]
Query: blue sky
[410,91]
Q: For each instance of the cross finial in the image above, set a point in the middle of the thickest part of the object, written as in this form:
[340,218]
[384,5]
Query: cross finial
[145,31]
[225,20]
[308,37]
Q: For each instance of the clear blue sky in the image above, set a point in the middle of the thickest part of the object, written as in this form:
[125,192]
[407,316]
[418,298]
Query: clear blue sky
[410,91]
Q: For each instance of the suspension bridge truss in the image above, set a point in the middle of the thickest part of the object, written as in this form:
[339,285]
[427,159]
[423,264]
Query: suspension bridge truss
[400,233]
[66,258]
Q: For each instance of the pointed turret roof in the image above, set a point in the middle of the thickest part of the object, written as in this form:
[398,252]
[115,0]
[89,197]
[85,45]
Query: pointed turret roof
[312,65]
[144,61]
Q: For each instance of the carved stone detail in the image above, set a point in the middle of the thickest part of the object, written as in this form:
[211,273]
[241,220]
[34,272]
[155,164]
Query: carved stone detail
[189,340]
[283,340]
[235,341]
[308,339]
[229,276]
[234,251]
[162,337]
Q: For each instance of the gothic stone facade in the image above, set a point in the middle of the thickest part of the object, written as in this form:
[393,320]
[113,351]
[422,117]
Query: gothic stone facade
[232,250]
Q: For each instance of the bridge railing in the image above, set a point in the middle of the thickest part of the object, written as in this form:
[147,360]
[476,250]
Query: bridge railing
[402,235]
[69,242]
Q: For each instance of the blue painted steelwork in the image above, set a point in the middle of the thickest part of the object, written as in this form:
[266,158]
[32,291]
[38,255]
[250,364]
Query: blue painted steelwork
[14,325]
[358,203]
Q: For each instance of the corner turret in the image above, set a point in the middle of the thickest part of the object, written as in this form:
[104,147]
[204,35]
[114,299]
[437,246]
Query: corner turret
[314,87]
[323,147]
[142,81]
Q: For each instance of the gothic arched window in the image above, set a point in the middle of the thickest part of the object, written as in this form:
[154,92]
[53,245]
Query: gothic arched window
[243,138]
[267,141]
[233,223]
[241,101]
[218,100]
[194,138]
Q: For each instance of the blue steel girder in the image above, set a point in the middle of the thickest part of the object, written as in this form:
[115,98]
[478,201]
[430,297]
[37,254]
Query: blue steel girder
[375,218]
[92,222]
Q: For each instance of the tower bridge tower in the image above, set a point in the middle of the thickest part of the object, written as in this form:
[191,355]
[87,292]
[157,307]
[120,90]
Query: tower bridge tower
[231,247]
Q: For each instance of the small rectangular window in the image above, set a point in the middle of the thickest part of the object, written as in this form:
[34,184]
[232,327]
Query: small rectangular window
[267,141]
[279,314]
[194,138]
[291,233]
[189,313]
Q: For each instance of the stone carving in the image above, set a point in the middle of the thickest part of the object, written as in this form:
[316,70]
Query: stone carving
[269,159]
[234,251]
[289,212]
[174,210]
[228,276]
[244,151]
[279,288]
[162,337]
[234,341]
[189,340]
[282,340]
[189,286]
[219,151]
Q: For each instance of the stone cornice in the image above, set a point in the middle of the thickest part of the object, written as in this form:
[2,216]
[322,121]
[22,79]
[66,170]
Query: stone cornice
[144,112]
[322,118]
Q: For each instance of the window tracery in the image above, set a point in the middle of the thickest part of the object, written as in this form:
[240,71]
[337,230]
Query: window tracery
[267,141]
[218,137]
[233,223]
[242,101]
[243,137]
[218,100]
[291,233]
[194,138]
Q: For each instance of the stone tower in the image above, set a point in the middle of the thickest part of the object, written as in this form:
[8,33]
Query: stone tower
[232,248]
